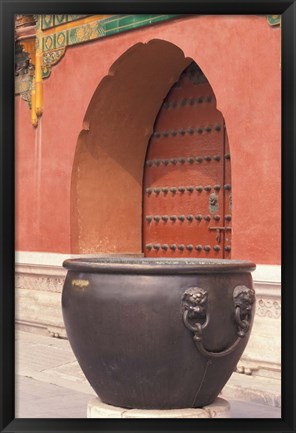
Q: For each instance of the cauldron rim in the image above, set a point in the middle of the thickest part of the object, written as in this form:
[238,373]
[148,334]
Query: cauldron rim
[143,265]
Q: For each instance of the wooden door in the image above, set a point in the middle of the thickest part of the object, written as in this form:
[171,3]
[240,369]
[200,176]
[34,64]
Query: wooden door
[187,178]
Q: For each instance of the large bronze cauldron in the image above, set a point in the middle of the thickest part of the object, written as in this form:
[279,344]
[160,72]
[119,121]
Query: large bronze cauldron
[158,333]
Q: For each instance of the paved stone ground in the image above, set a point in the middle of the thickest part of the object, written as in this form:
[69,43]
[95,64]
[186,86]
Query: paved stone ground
[50,384]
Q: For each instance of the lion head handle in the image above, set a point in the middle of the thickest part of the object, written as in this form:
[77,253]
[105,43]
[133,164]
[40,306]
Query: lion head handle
[243,299]
[195,302]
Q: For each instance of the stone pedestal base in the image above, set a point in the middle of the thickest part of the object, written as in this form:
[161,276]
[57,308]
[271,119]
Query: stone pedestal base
[219,409]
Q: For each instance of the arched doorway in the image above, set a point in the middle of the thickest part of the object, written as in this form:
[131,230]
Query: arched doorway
[123,119]
[187,177]
[107,174]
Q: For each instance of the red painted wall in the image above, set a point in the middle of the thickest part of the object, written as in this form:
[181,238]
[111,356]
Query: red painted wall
[240,56]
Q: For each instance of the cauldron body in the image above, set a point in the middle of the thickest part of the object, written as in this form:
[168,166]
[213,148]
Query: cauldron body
[136,339]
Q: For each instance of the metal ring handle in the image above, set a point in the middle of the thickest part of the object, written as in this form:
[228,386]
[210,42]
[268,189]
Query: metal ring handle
[197,327]
[197,338]
[207,353]
[196,317]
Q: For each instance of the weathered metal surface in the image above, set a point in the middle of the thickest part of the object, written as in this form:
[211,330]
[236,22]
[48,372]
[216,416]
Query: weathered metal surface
[125,321]
[187,174]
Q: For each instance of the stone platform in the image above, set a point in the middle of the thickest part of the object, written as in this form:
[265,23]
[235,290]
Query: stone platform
[219,409]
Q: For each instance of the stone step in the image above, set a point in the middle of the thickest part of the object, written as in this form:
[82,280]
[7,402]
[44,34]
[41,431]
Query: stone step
[256,389]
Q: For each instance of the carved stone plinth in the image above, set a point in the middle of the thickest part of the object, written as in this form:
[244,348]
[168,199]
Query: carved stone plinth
[219,409]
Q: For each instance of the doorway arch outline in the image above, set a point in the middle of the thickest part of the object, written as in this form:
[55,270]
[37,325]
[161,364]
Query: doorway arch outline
[107,173]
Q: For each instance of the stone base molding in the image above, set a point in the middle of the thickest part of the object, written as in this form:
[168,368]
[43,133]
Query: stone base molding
[38,299]
[39,283]
[219,409]
[263,353]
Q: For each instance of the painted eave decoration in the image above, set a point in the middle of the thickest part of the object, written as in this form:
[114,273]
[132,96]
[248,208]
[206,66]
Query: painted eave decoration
[274,20]
[41,42]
